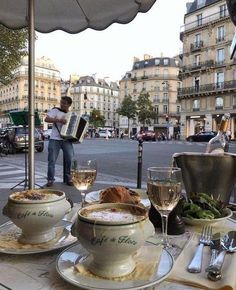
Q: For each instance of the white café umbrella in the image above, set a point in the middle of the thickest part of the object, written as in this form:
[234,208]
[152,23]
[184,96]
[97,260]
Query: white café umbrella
[72,16]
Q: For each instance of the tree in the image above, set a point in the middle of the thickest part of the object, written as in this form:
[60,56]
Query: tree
[128,109]
[96,119]
[13,46]
[145,109]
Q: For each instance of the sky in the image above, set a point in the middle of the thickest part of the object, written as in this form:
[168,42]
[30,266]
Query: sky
[110,53]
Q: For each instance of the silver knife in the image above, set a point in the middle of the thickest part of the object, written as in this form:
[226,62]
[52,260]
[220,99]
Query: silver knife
[215,247]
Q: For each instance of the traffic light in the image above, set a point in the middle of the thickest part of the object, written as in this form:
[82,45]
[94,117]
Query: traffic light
[167,118]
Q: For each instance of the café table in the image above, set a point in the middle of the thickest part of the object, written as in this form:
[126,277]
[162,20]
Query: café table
[38,271]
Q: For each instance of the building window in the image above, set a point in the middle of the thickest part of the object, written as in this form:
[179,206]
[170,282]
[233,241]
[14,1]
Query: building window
[178,109]
[165,109]
[156,109]
[200,3]
[219,103]
[219,80]
[199,19]
[198,40]
[197,60]
[223,10]
[234,102]
[157,61]
[220,33]
[220,56]
[196,105]
[166,61]
[165,97]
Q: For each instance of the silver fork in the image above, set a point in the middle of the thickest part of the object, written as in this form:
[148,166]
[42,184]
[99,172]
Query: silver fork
[195,265]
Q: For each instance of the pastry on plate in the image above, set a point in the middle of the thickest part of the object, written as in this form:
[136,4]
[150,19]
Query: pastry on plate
[119,194]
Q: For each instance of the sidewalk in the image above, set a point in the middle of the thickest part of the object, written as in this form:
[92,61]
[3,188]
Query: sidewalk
[71,192]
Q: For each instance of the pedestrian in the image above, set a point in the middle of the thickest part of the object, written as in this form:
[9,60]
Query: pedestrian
[56,142]
[107,134]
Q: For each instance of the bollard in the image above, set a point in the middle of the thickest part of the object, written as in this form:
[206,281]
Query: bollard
[140,157]
[64,172]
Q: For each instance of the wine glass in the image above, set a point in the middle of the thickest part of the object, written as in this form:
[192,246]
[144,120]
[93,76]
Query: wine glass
[83,173]
[164,192]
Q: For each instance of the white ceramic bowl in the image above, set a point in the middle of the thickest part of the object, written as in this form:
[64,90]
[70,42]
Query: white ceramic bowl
[112,243]
[36,212]
[200,222]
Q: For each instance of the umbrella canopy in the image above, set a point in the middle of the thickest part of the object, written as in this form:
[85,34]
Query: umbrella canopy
[72,16]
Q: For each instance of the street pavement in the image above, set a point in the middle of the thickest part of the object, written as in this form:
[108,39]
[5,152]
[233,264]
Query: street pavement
[12,167]
[12,179]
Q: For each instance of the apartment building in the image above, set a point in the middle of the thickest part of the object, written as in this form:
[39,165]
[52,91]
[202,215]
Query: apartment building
[208,74]
[93,93]
[47,89]
[158,76]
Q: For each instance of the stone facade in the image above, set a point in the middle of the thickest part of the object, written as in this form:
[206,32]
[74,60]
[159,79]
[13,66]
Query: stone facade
[47,90]
[208,74]
[158,76]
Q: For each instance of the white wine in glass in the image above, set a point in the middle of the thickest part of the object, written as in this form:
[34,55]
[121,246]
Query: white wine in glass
[164,191]
[83,175]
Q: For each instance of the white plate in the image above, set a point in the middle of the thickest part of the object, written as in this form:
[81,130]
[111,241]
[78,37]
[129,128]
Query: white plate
[93,196]
[196,222]
[63,240]
[70,257]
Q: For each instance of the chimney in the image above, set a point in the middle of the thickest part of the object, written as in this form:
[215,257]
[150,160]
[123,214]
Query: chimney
[147,56]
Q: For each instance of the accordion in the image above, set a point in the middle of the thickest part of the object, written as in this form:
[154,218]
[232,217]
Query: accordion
[75,128]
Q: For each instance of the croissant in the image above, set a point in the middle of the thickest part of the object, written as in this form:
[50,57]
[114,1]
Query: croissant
[119,194]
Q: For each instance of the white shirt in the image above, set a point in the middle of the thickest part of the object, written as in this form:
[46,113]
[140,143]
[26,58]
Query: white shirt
[55,113]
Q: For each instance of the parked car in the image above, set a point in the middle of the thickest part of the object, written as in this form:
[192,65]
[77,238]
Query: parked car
[18,137]
[103,133]
[204,136]
[145,136]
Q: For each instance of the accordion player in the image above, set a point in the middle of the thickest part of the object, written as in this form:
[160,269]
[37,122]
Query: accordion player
[75,127]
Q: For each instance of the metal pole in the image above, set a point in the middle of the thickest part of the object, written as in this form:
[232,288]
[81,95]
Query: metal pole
[31,34]
[140,158]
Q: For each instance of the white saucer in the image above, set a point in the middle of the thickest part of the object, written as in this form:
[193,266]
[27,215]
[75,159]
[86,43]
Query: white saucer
[72,255]
[63,239]
[93,196]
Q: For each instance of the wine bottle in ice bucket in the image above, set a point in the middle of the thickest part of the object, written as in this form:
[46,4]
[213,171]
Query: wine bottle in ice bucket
[220,143]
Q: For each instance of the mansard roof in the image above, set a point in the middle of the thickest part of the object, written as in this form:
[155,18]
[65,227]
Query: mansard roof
[194,6]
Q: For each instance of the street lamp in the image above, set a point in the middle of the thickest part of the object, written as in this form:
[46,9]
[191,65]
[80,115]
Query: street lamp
[166,87]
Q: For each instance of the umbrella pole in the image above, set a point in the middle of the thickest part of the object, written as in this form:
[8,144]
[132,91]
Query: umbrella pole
[31,78]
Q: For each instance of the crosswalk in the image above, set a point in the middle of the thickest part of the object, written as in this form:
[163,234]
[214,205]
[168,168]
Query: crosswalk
[12,175]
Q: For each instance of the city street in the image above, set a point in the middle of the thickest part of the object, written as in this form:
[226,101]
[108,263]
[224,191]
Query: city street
[117,163]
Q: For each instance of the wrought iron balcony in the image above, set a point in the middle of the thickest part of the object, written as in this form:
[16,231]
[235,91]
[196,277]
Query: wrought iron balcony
[197,45]
[207,88]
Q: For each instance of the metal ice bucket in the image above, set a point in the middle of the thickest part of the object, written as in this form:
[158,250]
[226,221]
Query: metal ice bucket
[214,174]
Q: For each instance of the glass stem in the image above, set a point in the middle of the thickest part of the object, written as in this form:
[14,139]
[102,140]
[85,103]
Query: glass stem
[83,199]
[164,222]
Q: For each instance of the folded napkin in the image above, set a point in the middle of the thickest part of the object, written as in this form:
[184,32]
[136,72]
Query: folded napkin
[180,274]
[146,259]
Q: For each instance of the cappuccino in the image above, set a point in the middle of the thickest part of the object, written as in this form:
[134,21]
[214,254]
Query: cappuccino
[33,195]
[123,215]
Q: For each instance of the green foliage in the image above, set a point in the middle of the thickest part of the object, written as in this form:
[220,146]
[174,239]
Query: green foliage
[13,46]
[96,119]
[145,109]
[127,108]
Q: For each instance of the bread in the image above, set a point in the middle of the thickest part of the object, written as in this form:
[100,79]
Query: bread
[119,194]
